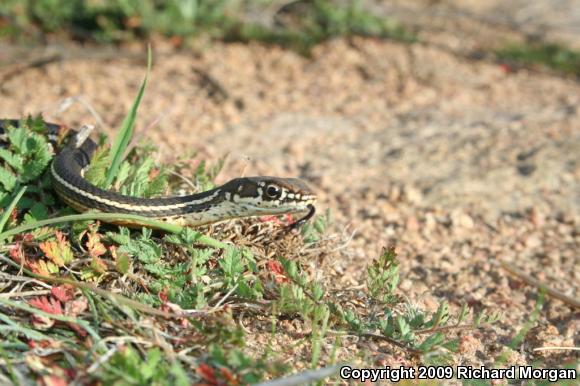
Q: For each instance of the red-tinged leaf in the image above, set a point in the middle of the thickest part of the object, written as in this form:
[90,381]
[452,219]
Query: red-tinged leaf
[64,292]
[278,271]
[94,245]
[163,296]
[506,68]
[207,373]
[40,267]
[58,250]
[55,344]
[17,253]
[122,262]
[230,378]
[42,322]
[153,173]
[67,253]
[70,373]
[54,380]
[14,216]
[98,265]
[76,307]
[43,303]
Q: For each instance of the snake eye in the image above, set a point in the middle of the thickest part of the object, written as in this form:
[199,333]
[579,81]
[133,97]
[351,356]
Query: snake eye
[273,191]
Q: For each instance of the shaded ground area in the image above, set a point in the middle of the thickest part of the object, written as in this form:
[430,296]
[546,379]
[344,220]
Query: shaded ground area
[458,163]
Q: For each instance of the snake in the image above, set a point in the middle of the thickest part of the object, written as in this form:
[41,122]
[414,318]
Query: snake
[238,198]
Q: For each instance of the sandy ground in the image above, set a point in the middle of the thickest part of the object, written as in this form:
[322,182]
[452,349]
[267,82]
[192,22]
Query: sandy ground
[459,163]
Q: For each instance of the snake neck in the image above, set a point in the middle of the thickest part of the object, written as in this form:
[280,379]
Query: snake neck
[66,171]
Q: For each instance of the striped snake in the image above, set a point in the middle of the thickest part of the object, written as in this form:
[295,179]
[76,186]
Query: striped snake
[240,197]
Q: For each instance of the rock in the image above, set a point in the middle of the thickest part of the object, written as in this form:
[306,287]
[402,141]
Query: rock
[462,220]
[413,195]
[533,241]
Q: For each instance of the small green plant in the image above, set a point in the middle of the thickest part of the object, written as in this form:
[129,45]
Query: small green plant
[383,277]
[26,157]
[387,317]
[128,367]
[554,56]
[314,230]
[405,324]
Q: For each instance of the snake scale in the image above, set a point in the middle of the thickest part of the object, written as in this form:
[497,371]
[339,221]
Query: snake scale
[239,197]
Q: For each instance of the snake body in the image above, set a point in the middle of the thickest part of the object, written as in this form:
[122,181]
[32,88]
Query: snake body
[240,197]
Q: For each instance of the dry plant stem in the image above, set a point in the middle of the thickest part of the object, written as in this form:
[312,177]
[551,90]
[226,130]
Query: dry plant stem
[446,328]
[557,348]
[305,377]
[368,335]
[538,284]
[390,341]
[24,294]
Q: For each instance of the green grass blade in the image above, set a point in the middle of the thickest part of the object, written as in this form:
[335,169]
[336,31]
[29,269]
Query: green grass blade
[6,214]
[202,239]
[124,136]
[12,326]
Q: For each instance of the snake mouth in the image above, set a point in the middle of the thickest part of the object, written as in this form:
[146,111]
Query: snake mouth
[283,209]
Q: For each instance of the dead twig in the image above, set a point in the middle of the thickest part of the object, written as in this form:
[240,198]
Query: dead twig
[303,378]
[33,63]
[446,328]
[540,285]
[215,89]
[556,348]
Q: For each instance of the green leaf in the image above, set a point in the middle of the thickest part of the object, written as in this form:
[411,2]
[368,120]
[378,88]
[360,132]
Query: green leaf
[123,173]
[149,367]
[157,185]
[7,179]
[6,214]
[121,238]
[38,211]
[432,341]
[180,377]
[15,161]
[126,132]
[232,264]
[441,315]
[123,263]
[96,173]
[17,138]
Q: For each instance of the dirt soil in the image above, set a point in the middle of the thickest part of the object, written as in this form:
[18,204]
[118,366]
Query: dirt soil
[459,163]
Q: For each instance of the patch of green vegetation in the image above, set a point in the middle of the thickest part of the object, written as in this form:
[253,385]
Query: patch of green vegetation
[23,162]
[299,26]
[554,56]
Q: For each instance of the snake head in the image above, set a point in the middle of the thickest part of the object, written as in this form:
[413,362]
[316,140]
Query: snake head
[270,195]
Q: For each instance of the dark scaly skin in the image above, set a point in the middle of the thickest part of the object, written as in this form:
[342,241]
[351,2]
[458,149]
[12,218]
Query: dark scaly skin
[240,197]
